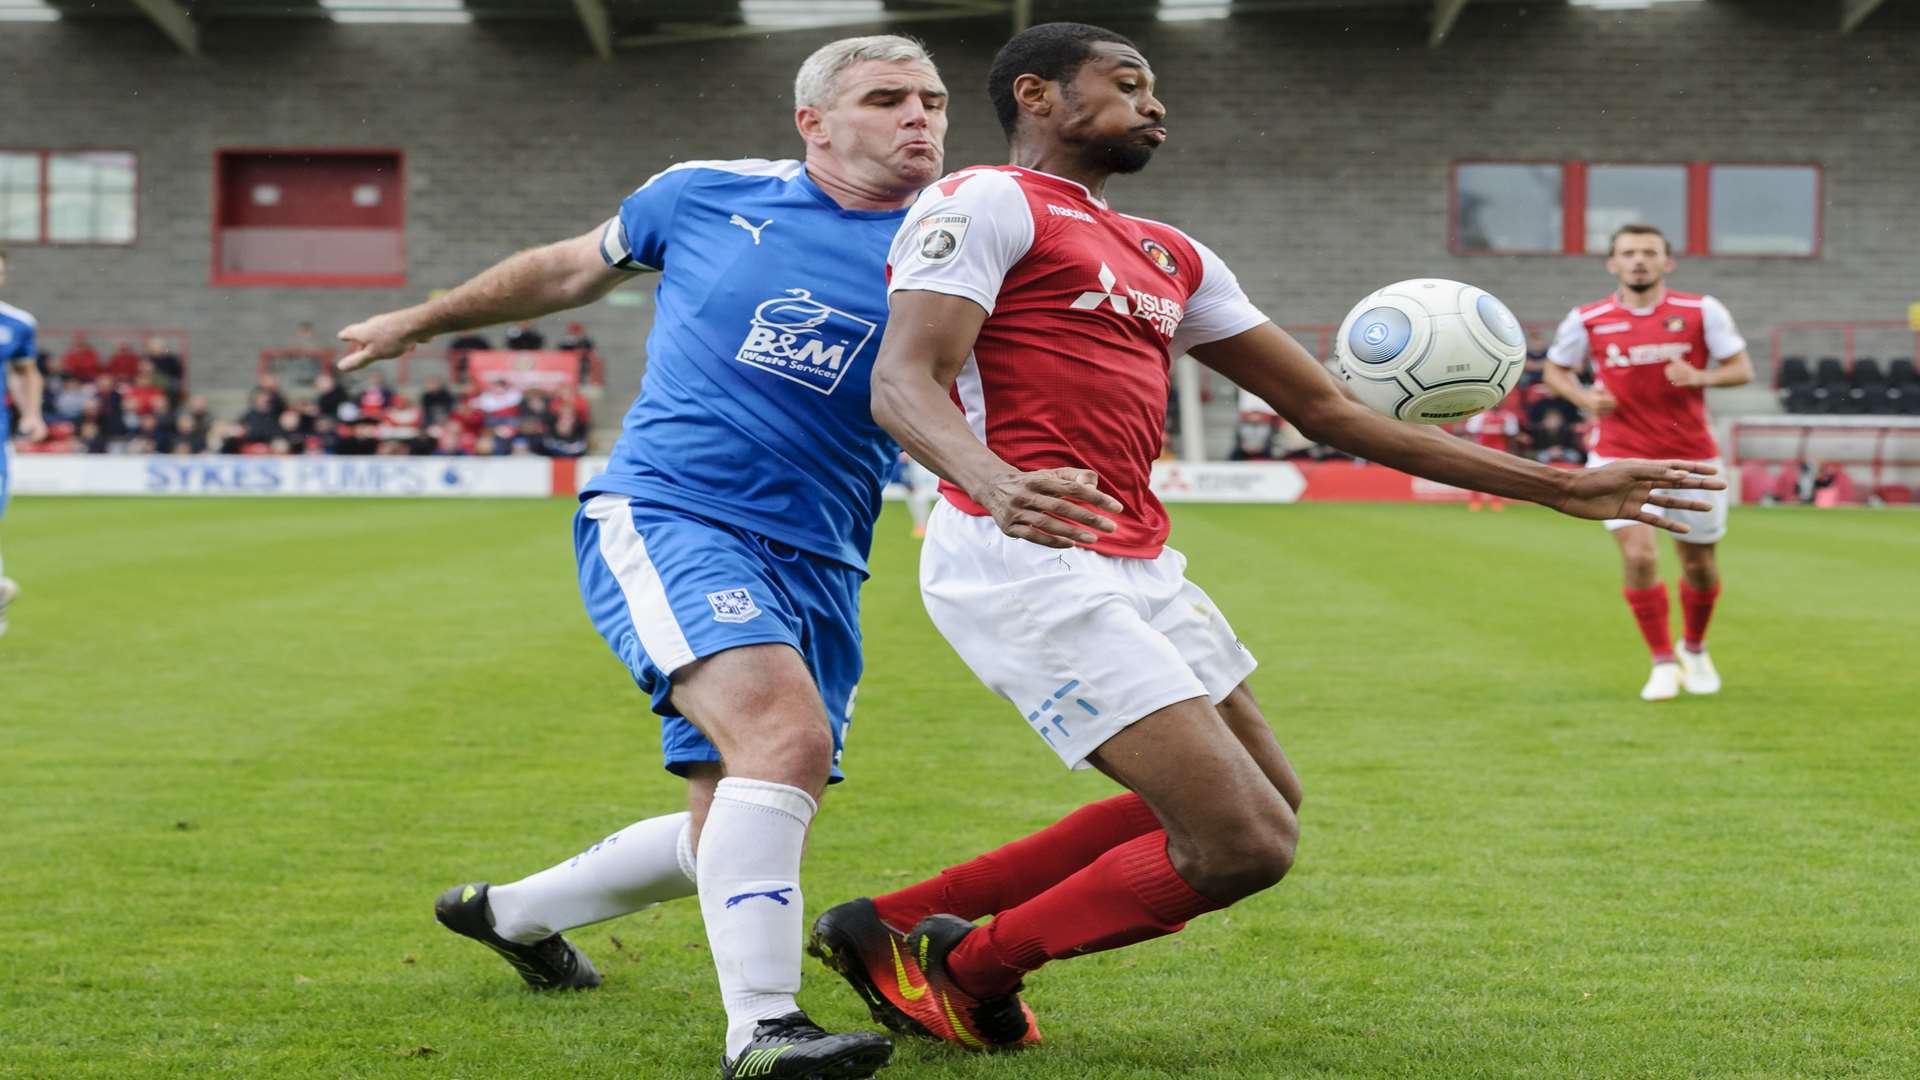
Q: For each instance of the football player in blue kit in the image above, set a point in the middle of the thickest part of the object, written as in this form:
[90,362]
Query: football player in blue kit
[722,551]
[20,378]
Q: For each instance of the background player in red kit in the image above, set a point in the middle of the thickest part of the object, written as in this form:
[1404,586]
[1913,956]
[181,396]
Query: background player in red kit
[1049,319]
[1494,429]
[1654,353]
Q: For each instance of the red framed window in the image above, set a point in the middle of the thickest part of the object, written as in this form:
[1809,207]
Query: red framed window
[1764,209]
[309,217]
[69,196]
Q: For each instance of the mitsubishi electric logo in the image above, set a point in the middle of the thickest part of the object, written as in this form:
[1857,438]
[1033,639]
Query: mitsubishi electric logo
[1162,313]
[1090,300]
[1663,353]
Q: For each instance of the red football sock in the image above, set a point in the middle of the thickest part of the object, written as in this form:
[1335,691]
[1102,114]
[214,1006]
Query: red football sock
[1130,894]
[1019,871]
[1696,608]
[1650,611]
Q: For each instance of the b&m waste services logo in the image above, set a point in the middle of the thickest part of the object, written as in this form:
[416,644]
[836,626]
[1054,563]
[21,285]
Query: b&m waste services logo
[799,338]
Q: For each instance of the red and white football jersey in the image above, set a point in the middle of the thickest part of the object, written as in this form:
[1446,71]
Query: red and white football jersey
[1630,351]
[1494,428]
[1085,309]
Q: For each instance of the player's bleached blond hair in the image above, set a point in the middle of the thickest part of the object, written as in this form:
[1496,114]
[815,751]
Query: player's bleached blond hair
[817,84]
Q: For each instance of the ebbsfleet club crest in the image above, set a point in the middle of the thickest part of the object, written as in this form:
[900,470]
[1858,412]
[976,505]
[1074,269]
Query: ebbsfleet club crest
[799,338]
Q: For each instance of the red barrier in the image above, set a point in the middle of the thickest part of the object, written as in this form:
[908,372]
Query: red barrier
[589,366]
[1882,445]
[547,370]
[1348,481]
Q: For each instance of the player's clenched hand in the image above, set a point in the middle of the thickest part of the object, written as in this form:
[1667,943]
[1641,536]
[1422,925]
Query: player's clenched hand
[1603,402]
[1624,488]
[382,337]
[1045,506]
[33,430]
[1681,373]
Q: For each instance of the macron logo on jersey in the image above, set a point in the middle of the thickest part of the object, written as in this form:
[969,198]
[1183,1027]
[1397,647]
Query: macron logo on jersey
[803,340]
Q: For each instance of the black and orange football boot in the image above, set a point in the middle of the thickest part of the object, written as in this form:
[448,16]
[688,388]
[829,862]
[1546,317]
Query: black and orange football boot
[852,941]
[1000,1022]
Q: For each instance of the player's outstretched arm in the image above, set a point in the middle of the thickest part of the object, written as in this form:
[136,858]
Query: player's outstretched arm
[929,336]
[28,390]
[1267,361]
[535,282]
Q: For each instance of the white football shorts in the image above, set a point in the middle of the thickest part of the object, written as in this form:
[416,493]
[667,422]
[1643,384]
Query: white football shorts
[1082,644]
[1708,526]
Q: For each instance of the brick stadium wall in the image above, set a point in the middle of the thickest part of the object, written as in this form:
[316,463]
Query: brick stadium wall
[1311,151]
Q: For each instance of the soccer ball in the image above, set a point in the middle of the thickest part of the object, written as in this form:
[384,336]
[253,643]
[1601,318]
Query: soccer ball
[1431,351]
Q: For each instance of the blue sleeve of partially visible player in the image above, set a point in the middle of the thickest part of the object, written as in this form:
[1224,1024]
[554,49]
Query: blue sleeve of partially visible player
[640,235]
[23,348]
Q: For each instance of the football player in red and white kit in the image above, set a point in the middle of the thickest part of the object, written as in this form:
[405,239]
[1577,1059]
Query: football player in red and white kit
[1654,353]
[1494,429]
[1026,361]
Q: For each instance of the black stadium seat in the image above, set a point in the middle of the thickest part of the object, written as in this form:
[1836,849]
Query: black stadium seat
[1903,386]
[1830,386]
[1793,384]
[1868,394]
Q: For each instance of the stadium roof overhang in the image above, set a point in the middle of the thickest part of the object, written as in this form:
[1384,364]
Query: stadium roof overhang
[608,25]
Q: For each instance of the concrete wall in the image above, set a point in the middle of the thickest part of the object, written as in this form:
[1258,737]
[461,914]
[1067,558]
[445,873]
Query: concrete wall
[1311,151]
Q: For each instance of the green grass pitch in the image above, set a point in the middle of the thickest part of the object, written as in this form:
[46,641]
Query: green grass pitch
[245,743]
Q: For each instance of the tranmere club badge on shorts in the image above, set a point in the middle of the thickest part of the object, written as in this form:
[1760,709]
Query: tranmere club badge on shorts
[733,605]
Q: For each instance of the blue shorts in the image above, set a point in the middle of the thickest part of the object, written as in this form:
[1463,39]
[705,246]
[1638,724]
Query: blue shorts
[666,588]
[6,461]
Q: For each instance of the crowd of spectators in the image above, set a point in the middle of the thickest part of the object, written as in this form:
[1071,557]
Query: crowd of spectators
[370,417]
[135,402]
[132,396]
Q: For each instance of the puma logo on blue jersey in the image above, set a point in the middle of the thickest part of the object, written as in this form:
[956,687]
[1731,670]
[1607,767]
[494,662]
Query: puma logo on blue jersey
[750,226]
[773,896]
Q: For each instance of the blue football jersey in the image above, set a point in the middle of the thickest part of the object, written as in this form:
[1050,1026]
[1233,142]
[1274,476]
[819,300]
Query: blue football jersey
[755,406]
[17,347]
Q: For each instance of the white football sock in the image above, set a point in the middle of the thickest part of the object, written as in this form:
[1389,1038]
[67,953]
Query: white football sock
[749,870]
[641,865]
[921,503]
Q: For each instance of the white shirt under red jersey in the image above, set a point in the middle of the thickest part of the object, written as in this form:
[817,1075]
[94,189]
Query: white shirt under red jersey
[1085,309]
[1630,350]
